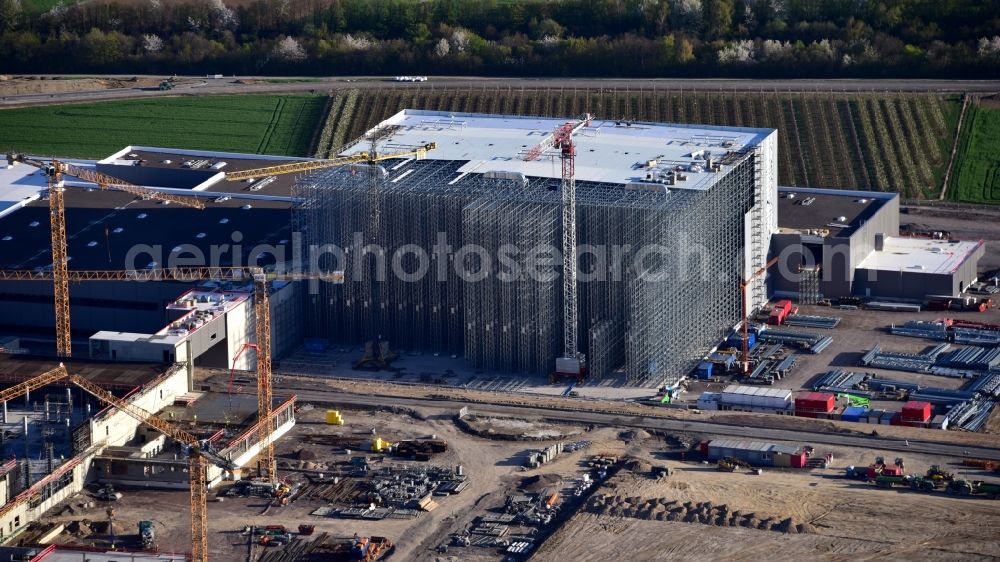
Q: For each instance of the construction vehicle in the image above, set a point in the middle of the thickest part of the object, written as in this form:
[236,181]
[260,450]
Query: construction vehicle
[938,474]
[883,481]
[973,487]
[731,464]
[921,484]
[108,494]
[980,463]
[874,470]
[369,549]
[147,536]
[854,399]
[377,357]
[275,539]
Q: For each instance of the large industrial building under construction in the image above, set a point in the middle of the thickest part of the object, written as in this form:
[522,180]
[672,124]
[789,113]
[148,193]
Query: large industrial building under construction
[669,219]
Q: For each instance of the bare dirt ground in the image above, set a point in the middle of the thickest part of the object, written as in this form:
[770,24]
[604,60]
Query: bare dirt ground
[488,463]
[377,388]
[18,85]
[848,519]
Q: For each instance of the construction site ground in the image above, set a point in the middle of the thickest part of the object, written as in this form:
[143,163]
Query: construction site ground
[489,463]
[841,519]
[494,471]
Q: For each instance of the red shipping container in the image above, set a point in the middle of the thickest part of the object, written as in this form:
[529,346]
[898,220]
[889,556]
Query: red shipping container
[917,411]
[799,460]
[815,402]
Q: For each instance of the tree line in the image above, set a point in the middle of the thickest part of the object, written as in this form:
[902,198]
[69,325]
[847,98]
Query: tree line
[621,38]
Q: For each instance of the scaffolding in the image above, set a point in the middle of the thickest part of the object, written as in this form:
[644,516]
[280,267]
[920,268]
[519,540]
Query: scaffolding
[653,324]
[809,292]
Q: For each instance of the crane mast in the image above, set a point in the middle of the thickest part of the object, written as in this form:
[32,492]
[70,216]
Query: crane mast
[60,261]
[572,363]
[196,461]
[57,229]
[266,464]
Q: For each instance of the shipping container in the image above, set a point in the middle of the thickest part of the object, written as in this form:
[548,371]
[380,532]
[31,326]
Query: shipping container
[816,402]
[756,397]
[783,459]
[916,411]
[854,414]
[780,312]
[704,370]
[708,401]
[888,417]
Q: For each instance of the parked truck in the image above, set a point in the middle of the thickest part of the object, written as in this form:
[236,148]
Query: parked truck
[147,535]
[883,481]
[922,484]
[973,487]
[369,549]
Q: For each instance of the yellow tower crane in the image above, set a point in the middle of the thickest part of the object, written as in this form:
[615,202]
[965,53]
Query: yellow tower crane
[267,466]
[60,274]
[54,171]
[200,452]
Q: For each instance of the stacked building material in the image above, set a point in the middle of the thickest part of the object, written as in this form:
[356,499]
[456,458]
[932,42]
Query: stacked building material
[987,385]
[812,342]
[893,306]
[807,321]
[971,415]
[917,363]
[974,336]
[921,329]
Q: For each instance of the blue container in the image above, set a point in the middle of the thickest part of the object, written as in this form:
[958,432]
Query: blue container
[704,370]
[735,341]
[854,413]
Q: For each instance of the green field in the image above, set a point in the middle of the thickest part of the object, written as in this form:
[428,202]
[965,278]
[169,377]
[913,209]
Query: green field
[868,141]
[977,168]
[280,125]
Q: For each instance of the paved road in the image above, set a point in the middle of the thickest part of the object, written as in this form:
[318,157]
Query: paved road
[229,85]
[664,424]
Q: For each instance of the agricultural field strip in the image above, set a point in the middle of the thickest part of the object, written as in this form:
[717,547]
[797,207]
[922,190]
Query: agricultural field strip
[868,129]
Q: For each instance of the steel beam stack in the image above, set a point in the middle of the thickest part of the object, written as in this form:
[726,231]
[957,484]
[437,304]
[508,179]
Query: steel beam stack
[655,326]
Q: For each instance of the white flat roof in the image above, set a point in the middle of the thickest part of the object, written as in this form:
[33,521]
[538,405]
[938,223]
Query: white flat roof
[920,255]
[758,391]
[19,185]
[607,151]
[212,304]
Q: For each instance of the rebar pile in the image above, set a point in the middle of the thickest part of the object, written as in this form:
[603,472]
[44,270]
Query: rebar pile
[656,328]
